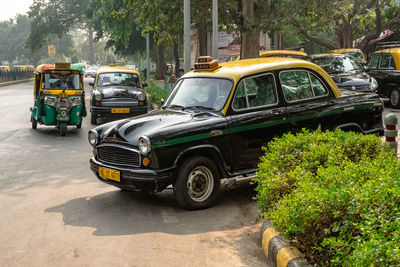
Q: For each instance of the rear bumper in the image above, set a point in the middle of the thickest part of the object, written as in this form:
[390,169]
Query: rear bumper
[135,178]
[106,111]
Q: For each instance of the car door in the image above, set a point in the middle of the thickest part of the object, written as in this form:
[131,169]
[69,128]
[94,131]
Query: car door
[309,101]
[255,117]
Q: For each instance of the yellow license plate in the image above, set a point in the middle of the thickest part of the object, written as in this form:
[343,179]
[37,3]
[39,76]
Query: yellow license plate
[109,174]
[120,110]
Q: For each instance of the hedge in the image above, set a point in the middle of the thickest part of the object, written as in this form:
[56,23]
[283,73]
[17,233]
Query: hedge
[335,195]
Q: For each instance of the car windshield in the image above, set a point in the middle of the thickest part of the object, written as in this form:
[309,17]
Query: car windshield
[202,93]
[354,54]
[118,78]
[64,80]
[335,65]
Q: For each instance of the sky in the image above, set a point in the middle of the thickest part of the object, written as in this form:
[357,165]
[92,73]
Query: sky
[10,8]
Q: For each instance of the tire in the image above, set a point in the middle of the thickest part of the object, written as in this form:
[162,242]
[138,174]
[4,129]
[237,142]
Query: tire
[63,128]
[197,184]
[394,98]
[79,125]
[93,118]
[34,123]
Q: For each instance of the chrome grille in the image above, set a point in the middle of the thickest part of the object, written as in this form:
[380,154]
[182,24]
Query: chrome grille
[119,102]
[357,87]
[118,155]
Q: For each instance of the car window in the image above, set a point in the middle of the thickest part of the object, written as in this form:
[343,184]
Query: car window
[386,62]
[118,78]
[373,63]
[255,92]
[295,85]
[317,86]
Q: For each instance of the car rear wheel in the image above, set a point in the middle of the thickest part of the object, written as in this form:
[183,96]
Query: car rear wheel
[34,123]
[93,118]
[197,184]
[394,98]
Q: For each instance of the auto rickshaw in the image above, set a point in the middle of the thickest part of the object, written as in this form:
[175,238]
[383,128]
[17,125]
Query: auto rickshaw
[59,96]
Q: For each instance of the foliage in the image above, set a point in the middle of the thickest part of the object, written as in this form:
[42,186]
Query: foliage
[335,193]
[155,93]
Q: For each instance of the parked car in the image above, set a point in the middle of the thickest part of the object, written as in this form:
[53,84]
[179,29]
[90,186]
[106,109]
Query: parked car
[274,53]
[384,66]
[346,72]
[117,92]
[354,52]
[91,71]
[216,120]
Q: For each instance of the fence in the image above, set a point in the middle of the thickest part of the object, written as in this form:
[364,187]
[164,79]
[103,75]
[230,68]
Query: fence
[13,75]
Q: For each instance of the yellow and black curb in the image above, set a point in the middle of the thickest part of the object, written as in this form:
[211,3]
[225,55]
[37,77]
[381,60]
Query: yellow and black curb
[278,250]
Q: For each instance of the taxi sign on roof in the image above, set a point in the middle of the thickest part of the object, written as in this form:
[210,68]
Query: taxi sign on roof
[206,63]
[63,65]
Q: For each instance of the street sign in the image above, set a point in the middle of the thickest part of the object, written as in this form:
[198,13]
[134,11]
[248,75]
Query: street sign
[52,50]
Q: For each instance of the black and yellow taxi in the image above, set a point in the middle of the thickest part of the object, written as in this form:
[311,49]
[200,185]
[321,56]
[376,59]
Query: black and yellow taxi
[216,120]
[356,53]
[117,92]
[384,66]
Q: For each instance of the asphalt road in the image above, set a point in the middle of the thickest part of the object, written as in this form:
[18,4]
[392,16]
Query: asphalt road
[54,212]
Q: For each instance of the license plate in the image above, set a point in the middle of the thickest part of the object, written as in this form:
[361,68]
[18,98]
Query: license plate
[109,174]
[120,110]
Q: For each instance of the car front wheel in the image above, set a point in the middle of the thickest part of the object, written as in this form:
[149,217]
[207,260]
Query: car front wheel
[395,98]
[93,118]
[197,184]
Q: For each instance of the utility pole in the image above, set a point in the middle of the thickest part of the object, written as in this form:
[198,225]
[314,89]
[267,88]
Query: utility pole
[148,56]
[214,50]
[186,35]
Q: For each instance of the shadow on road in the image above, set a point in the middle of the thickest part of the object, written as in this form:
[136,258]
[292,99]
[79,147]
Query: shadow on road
[124,213]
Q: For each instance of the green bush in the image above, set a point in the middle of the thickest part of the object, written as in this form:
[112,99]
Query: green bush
[155,93]
[335,194]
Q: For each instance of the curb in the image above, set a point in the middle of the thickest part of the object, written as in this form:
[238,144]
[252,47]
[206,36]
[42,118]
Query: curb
[15,82]
[278,250]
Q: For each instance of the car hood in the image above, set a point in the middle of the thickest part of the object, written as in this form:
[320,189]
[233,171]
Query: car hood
[351,79]
[120,91]
[160,126]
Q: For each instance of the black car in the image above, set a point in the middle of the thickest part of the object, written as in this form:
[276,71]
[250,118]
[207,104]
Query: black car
[117,92]
[346,72]
[216,120]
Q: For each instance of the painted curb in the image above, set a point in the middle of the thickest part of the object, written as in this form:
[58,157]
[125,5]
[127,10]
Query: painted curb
[278,250]
[15,82]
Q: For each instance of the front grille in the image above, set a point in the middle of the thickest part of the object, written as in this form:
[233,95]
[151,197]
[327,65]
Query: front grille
[357,87]
[119,102]
[118,155]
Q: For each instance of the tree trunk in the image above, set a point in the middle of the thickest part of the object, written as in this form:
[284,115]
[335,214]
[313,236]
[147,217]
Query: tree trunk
[202,33]
[91,49]
[160,62]
[344,34]
[176,56]
[250,36]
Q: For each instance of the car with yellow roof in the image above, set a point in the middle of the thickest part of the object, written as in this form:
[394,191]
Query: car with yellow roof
[384,66]
[117,92]
[274,53]
[354,52]
[215,122]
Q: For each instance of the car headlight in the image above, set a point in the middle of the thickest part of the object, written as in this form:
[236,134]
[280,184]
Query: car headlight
[97,97]
[144,145]
[142,96]
[50,100]
[93,137]
[76,101]
[374,84]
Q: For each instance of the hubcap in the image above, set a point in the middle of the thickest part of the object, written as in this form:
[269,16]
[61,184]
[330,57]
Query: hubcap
[200,184]
[394,97]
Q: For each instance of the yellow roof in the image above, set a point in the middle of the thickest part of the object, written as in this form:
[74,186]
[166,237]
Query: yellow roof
[269,53]
[395,52]
[114,68]
[344,50]
[235,70]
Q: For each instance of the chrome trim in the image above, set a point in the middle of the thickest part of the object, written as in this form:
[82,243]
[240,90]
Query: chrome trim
[121,147]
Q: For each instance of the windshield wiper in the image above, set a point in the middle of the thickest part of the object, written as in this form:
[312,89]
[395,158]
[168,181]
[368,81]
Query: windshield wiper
[176,106]
[201,107]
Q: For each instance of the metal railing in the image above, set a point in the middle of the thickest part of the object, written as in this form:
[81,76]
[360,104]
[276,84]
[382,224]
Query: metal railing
[384,45]
[13,75]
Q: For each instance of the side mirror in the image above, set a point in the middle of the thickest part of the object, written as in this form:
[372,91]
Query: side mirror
[91,84]
[144,84]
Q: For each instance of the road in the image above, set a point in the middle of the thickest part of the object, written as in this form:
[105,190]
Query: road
[54,212]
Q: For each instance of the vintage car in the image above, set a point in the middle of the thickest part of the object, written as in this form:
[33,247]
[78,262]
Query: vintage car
[117,92]
[346,72]
[354,52]
[384,66]
[216,120]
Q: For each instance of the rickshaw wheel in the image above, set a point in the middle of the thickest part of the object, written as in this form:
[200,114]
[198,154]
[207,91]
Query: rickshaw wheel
[79,125]
[34,123]
[63,128]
